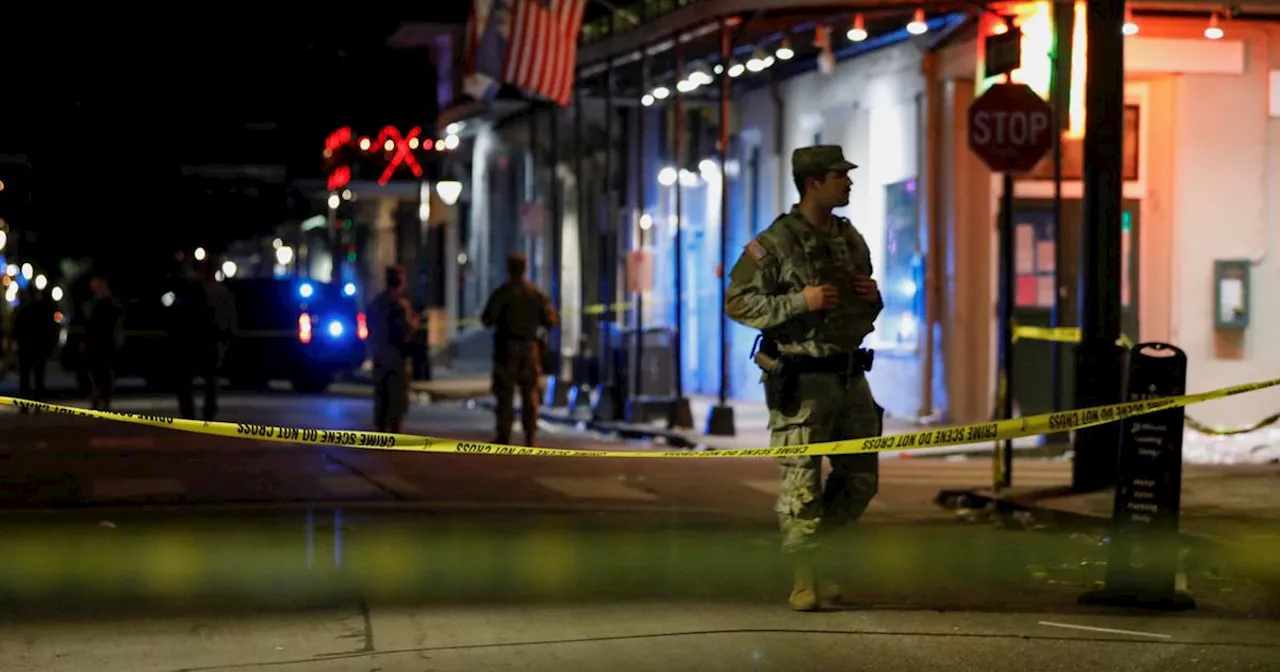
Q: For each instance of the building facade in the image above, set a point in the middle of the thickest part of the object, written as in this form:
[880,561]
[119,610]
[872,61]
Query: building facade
[602,187]
[1200,159]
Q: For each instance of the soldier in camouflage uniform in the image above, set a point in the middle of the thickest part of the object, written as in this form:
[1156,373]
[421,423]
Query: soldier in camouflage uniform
[805,283]
[392,324]
[517,311]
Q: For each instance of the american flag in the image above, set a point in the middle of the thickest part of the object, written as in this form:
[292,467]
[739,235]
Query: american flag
[542,49]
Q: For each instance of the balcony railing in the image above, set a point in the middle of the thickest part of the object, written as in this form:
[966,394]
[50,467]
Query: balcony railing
[628,17]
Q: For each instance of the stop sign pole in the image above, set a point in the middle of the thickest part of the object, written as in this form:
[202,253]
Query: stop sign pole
[1011,129]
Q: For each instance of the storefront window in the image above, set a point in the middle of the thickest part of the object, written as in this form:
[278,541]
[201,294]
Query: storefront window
[902,269]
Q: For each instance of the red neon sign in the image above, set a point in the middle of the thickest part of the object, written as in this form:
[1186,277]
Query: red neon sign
[337,139]
[340,177]
[401,153]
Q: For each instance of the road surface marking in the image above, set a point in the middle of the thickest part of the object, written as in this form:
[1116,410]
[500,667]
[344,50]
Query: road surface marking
[594,487]
[1112,630]
[125,488]
[104,442]
[350,486]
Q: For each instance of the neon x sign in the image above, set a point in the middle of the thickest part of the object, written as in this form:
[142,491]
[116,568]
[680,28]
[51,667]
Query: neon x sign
[400,151]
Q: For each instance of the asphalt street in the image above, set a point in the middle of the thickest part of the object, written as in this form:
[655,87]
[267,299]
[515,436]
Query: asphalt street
[131,548]
[60,462]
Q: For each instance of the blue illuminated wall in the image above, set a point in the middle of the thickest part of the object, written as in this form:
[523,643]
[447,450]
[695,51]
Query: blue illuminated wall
[700,298]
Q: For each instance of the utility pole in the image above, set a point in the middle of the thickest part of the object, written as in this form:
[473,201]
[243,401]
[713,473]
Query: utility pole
[1099,361]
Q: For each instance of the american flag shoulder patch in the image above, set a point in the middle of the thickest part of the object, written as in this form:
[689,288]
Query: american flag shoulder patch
[756,250]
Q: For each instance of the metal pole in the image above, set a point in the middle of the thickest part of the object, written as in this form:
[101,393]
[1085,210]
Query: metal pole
[1004,449]
[1099,360]
[557,235]
[1005,479]
[677,137]
[641,181]
[725,54]
[580,193]
[1061,75]
[720,421]
[606,406]
[531,193]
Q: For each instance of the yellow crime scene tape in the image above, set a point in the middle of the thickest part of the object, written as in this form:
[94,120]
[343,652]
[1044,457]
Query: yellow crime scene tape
[998,430]
[1072,335]
[1057,334]
[602,308]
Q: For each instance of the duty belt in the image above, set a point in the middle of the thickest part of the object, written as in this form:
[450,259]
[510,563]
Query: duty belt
[858,361]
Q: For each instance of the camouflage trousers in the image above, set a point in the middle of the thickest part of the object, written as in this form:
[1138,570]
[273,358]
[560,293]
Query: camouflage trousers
[516,367]
[827,407]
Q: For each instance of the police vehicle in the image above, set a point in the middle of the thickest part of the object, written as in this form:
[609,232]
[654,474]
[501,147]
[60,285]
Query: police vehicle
[305,332]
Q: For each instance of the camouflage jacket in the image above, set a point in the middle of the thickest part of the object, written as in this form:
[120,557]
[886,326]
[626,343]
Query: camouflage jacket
[767,283]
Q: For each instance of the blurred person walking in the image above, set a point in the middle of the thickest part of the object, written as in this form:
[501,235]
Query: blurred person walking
[517,311]
[36,334]
[392,327]
[103,338]
[206,325]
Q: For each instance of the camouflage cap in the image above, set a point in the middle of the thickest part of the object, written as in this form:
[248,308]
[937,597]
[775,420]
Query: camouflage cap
[819,159]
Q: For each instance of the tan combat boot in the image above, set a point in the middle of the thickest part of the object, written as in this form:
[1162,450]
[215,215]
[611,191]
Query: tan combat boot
[804,592]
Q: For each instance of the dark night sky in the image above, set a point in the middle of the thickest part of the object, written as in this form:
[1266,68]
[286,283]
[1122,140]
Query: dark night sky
[122,107]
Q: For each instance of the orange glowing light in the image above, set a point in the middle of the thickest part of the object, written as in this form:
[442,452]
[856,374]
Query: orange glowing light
[304,328]
[1035,20]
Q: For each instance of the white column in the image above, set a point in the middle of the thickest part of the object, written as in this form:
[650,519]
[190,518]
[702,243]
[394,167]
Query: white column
[570,269]
[384,238]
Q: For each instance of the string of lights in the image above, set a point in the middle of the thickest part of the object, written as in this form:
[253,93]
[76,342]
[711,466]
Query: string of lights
[766,55]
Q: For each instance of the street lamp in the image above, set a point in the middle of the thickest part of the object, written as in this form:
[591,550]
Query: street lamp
[41,282]
[449,191]
[28,271]
[229,268]
[284,255]
[4,240]
[200,254]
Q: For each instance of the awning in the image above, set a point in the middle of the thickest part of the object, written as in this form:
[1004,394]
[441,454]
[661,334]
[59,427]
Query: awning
[471,110]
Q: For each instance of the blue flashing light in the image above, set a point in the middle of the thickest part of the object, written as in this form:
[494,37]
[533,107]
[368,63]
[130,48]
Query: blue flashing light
[305,290]
[335,329]
[349,289]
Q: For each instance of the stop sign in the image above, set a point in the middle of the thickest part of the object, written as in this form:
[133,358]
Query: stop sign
[1010,128]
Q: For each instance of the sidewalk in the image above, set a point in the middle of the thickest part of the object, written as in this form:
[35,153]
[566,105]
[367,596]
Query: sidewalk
[638,636]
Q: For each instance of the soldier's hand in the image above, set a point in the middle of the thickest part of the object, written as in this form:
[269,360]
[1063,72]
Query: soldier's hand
[820,297]
[866,287]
